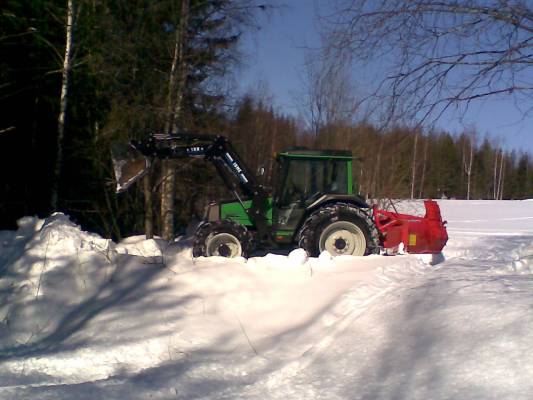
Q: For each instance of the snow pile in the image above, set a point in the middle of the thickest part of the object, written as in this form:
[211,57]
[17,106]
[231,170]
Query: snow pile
[519,261]
[84,318]
[48,268]
[139,246]
[523,264]
[73,296]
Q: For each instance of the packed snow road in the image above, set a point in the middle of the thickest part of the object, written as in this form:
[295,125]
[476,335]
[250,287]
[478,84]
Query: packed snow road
[83,318]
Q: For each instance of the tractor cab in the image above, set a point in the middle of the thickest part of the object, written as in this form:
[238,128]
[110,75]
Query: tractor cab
[305,176]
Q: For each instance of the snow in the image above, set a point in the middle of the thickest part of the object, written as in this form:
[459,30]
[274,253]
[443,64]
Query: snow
[83,317]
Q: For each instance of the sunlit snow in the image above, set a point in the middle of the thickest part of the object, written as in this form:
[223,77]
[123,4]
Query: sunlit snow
[82,317]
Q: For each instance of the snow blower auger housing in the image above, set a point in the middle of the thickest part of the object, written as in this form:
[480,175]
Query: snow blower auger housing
[312,204]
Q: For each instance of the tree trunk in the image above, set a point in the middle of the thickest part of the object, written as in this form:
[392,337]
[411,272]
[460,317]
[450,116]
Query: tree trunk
[176,86]
[148,206]
[499,193]
[270,159]
[463,164]
[503,178]
[469,175]
[67,65]
[424,162]
[413,167]
[377,169]
[468,168]
[168,189]
[495,187]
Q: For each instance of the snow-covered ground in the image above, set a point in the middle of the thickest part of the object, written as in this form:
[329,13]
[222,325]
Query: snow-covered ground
[84,318]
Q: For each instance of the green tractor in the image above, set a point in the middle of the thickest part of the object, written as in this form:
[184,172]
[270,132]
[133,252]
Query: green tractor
[312,205]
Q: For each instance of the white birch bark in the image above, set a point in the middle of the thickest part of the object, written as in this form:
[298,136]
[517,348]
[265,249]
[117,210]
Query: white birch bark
[469,170]
[468,167]
[413,166]
[63,102]
[500,179]
[495,188]
[424,162]
[177,80]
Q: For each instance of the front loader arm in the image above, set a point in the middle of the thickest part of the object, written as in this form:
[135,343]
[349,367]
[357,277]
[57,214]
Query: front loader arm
[214,148]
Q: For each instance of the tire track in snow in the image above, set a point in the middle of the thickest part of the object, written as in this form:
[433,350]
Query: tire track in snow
[356,303]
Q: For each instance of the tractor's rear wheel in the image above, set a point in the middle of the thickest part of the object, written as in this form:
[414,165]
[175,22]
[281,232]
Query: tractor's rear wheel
[222,238]
[341,229]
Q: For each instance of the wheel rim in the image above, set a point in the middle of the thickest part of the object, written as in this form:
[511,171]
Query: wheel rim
[343,238]
[223,245]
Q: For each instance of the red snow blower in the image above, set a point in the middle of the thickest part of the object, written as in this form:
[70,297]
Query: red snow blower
[420,235]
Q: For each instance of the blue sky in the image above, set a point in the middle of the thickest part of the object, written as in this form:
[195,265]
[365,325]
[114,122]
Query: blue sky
[275,59]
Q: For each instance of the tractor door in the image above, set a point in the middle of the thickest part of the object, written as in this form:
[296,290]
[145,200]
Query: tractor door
[301,181]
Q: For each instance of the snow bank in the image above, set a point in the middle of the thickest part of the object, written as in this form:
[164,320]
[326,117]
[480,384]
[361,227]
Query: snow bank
[139,246]
[89,319]
[71,296]
[518,261]
[47,268]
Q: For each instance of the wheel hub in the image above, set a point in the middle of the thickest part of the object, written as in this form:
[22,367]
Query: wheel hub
[224,250]
[224,245]
[340,243]
[343,238]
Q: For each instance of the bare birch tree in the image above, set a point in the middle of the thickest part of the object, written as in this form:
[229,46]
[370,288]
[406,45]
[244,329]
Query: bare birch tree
[468,162]
[495,181]
[424,166]
[328,92]
[433,55]
[499,190]
[63,102]
[176,88]
[413,163]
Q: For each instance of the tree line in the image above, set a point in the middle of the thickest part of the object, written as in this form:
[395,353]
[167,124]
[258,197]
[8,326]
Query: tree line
[79,75]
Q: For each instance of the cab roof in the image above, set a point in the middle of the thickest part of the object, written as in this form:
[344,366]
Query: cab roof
[302,152]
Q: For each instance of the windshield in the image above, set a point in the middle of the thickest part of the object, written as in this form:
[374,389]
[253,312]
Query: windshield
[305,178]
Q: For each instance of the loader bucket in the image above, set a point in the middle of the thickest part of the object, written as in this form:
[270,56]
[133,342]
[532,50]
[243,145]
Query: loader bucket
[129,164]
[419,235]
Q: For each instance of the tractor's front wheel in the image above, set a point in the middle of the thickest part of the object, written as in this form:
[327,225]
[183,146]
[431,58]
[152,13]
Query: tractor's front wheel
[341,229]
[222,238]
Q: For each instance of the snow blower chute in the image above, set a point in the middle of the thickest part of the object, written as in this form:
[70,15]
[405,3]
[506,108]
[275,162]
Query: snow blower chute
[313,204]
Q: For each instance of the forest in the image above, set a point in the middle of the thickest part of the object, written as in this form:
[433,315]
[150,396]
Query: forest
[79,75]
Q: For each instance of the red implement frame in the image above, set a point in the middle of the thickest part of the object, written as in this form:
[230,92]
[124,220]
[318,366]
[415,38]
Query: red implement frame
[420,235]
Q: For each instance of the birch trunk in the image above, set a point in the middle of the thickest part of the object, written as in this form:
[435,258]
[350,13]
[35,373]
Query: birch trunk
[499,194]
[272,151]
[469,174]
[67,65]
[148,206]
[468,167]
[413,167]
[424,162]
[503,178]
[495,188]
[176,85]
[377,169]
[463,165]
[168,188]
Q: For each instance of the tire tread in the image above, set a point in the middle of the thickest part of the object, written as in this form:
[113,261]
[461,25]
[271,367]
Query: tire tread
[308,233]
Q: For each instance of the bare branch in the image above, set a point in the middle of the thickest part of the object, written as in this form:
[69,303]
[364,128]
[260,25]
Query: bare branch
[11,128]
[437,53]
